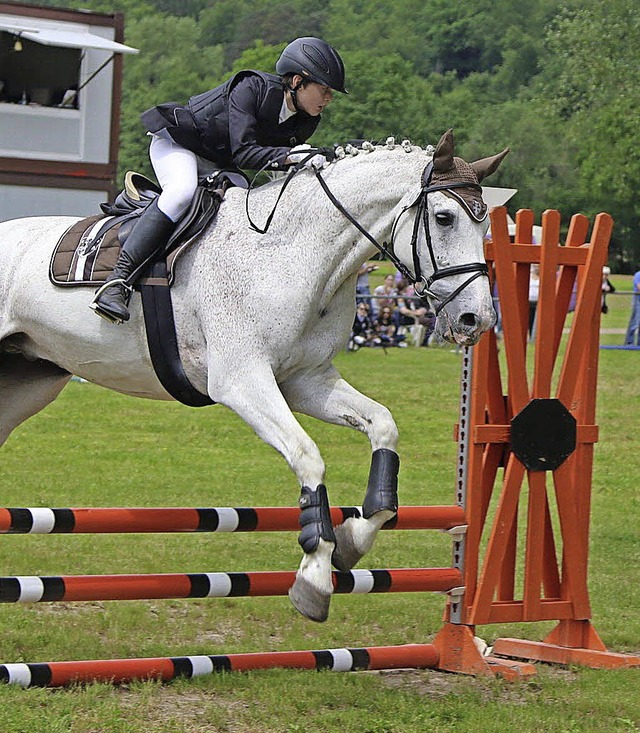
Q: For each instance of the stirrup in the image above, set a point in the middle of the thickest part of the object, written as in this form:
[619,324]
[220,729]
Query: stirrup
[97,308]
[105,314]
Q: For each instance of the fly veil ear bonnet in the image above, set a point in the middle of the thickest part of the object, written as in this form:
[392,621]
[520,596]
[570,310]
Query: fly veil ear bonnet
[448,169]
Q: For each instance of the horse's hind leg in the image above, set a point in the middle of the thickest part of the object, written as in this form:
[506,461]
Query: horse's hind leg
[26,387]
[254,395]
[325,395]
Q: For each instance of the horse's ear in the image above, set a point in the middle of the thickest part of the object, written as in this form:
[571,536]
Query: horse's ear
[486,166]
[443,155]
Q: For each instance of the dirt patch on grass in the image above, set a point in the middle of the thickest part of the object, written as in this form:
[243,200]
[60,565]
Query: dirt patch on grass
[172,708]
[436,684]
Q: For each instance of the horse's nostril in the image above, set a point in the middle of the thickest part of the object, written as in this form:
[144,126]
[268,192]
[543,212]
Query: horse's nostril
[469,320]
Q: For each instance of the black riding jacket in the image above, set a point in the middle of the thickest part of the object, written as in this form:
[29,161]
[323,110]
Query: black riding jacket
[235,124]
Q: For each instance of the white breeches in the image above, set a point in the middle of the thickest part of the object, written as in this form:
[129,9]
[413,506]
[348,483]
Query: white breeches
[177,170]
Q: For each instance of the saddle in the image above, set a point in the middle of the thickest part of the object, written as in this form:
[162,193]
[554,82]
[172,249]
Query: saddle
[87,252]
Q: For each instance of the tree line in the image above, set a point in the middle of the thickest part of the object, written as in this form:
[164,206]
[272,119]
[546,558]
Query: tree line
[558,81]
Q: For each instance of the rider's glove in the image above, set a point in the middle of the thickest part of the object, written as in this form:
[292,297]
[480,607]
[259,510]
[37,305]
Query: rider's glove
[300,152]
[329,153]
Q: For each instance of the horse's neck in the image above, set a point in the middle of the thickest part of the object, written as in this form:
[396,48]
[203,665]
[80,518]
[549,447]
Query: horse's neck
[308,225]
[368,186]
[371,194]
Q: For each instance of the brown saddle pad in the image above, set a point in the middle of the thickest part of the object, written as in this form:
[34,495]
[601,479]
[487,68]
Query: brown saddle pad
[86,253]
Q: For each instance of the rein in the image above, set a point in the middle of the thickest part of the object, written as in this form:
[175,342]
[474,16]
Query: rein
[477,269]
[383,248]
[291,173]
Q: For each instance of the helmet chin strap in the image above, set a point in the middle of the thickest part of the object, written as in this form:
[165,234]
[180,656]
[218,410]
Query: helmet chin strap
[293,91]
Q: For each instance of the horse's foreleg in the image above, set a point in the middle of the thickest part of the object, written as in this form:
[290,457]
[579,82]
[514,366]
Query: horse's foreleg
[356,535]
[259,402]
[312,589]
[325,395]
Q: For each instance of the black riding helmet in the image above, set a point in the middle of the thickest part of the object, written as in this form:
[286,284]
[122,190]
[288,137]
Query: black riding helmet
[313,59]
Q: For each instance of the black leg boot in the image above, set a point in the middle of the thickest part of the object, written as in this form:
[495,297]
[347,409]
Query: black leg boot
[150,234]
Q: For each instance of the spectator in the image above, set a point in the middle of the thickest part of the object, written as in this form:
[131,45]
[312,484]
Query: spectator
[363,290]
[607,287]
[386,330]
[496,304]
[362,331]
[411,313]
[534,291]
[386,295]
[633,330]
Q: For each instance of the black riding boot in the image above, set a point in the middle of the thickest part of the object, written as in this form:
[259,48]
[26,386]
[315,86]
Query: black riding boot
[150,234]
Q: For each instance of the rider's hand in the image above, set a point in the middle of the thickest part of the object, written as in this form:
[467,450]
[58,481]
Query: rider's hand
[318,162]
[300,152]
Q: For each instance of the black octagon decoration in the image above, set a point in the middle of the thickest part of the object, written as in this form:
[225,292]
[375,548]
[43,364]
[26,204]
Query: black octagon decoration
[543,435]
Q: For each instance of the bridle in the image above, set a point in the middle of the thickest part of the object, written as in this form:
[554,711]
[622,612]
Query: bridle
[475,269]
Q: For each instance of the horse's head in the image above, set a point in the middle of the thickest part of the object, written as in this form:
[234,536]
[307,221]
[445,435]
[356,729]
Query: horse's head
[442,243]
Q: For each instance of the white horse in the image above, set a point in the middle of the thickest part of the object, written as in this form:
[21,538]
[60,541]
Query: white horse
[259,319]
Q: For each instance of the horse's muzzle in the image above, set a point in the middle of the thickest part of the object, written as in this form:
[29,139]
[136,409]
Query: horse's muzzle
[468,327]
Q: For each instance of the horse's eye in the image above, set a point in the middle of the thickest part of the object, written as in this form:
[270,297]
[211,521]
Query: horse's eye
[444,218]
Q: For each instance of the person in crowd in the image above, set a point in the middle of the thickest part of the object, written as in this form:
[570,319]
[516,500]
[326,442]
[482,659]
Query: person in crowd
[253,120]
[386,329]
[496,304]
[385,295]
[633,329]
[607,287]
[363,289]
[362,331]
[412,312]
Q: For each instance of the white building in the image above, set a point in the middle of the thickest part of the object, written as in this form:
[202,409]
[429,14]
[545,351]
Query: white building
[60,92]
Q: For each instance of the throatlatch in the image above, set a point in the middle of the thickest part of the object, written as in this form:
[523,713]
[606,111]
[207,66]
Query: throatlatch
[382,489]
[315,518]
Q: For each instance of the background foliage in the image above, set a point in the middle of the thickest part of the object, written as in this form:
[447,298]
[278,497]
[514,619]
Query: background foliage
[558,81]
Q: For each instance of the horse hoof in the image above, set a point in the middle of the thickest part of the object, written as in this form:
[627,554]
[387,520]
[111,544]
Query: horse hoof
[346,555]
[306,598]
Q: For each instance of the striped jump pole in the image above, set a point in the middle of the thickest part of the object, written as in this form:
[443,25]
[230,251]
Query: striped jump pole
[220,519]
[119,671]
[35,589]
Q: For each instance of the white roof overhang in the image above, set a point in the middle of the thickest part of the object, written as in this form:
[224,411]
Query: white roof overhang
[65,38]
[497,196]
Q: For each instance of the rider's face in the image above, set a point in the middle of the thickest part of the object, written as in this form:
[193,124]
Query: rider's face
[313,97]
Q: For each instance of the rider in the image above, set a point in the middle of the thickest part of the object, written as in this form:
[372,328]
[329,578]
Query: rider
[253,120]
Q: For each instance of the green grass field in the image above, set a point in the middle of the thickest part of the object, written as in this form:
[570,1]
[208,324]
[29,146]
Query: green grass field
[97,448]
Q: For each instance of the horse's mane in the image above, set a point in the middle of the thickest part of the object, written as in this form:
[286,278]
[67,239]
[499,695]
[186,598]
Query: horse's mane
[366,146]
[344,155]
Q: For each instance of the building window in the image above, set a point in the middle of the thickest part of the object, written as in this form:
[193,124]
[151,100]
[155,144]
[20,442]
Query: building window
[34,74]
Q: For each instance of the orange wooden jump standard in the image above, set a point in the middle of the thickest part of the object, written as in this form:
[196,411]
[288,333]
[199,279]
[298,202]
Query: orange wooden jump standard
[540,430]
